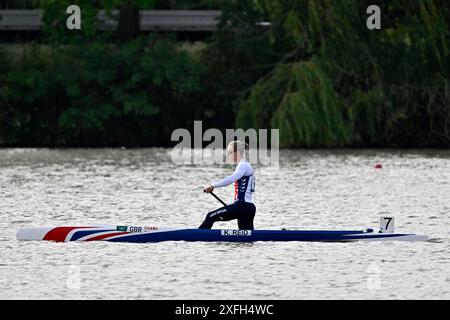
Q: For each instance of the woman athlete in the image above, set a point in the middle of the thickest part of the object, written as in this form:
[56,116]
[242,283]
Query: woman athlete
[243,208]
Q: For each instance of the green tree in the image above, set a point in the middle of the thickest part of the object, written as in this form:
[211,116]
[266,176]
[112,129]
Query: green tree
[347,85]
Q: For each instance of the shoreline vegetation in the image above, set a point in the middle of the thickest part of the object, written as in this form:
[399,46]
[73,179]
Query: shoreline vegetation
[317,74]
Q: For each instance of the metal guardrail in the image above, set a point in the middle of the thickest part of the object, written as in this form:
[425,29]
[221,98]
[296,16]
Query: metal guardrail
[183,20]
[150,20]
[20,20]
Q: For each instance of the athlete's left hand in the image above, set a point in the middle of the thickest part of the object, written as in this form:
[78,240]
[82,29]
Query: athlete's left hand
[208,189]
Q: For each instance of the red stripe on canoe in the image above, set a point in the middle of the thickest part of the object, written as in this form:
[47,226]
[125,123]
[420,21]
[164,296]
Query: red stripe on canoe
[59,234]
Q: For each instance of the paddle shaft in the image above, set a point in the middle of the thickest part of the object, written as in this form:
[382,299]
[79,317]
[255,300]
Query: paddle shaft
[218,199]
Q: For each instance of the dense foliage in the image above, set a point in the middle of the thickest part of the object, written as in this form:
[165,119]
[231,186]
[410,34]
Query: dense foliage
[316,73]
[98,94]
[350,86]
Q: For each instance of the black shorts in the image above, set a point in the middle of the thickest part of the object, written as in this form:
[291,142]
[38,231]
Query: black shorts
[244,212]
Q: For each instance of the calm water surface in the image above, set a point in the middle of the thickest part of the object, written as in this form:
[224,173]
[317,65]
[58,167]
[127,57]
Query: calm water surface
[311,189]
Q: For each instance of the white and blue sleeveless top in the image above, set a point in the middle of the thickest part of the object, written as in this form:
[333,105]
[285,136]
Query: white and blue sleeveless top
[244,182]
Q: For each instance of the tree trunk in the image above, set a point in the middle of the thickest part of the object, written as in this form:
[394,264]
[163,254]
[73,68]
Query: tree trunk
[129,22]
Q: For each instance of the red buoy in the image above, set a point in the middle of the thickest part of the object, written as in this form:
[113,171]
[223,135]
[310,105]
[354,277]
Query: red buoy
[378,166]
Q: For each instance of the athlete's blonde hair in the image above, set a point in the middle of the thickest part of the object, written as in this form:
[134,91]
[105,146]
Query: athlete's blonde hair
[238,146]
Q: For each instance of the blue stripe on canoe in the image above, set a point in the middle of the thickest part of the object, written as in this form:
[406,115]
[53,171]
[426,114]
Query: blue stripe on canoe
[82,233]
[256,235]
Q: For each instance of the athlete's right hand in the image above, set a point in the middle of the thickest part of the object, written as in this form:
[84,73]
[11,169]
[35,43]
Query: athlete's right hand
[208,189]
